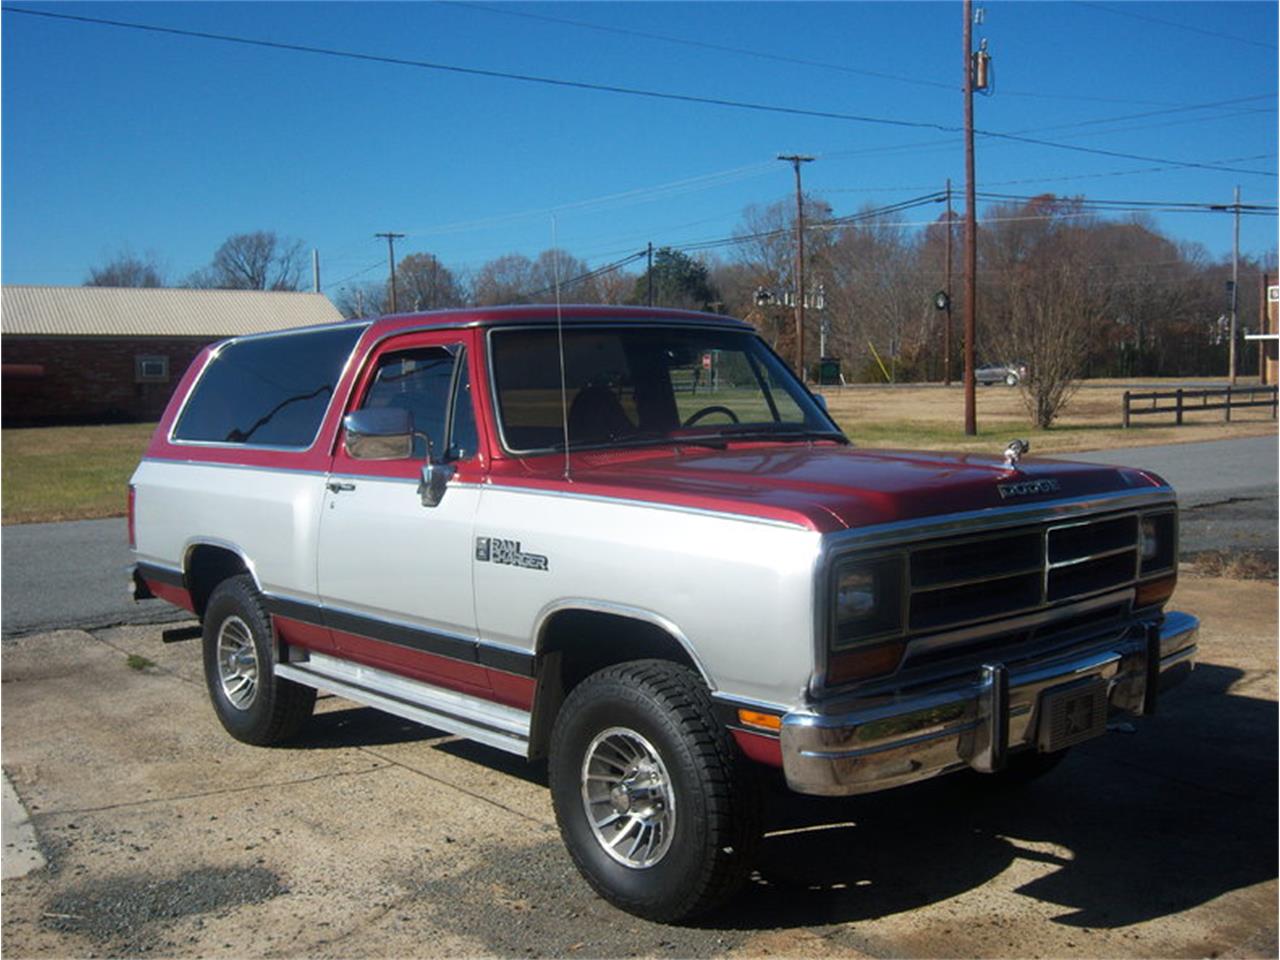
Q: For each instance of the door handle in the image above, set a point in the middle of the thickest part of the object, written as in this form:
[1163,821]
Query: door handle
[338,486]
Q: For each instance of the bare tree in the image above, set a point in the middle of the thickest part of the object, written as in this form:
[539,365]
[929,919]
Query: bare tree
[254,261]
[505,280]
[1047,299]
[425,283]
[126,270]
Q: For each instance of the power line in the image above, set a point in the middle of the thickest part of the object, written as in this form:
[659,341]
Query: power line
[610,88]
[1179,26]
[1170,204]
[511,11]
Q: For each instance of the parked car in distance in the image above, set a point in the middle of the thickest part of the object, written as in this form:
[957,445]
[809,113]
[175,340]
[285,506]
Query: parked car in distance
[1010,373]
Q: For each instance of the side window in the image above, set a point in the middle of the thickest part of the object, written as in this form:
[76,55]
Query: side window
[464,441]
[433,384]
[419,381]
[268,391]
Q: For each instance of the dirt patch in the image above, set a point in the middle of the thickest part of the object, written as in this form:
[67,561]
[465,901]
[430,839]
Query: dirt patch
[1234,564]
[125,914]
[532,901]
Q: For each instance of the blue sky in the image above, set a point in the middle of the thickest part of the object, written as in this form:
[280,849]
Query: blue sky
[118,139]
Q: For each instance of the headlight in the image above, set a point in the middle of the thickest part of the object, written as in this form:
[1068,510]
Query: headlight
[1157,542]
[868,600]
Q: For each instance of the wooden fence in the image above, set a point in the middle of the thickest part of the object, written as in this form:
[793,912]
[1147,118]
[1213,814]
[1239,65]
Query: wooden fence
[1225,399]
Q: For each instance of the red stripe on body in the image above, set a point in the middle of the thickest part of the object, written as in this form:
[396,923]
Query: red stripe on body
[178,596]
[760,748]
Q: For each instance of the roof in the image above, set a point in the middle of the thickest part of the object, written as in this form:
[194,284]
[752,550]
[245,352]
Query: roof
[547,313]
[156,311]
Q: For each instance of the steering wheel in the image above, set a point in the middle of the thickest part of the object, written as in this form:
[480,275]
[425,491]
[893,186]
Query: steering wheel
[707,411]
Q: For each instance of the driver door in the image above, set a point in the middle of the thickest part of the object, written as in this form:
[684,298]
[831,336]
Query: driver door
[395,574]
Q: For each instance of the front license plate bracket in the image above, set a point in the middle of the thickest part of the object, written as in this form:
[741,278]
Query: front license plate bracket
[1071,714]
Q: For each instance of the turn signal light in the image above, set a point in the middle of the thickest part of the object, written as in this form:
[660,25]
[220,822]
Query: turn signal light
[1154,591]
[869,662]
[765,721]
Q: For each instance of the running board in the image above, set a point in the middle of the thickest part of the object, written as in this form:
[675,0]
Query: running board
[484,721]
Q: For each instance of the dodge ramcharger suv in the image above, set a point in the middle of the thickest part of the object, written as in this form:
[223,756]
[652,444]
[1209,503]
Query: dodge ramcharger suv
[632,542]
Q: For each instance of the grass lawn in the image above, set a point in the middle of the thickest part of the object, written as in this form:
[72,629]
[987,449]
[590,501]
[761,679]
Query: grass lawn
[73,473]
[69,473]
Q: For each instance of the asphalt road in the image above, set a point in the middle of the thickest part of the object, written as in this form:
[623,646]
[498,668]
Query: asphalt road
[373,837]
[73,574]
[70,575]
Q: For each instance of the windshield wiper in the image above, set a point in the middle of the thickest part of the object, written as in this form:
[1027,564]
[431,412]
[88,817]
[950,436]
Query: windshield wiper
[785,435]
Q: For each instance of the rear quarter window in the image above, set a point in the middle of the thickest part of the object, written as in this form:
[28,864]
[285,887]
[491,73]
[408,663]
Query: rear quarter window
[268,391]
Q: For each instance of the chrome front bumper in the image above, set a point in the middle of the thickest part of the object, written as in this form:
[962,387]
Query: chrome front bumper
[843,748]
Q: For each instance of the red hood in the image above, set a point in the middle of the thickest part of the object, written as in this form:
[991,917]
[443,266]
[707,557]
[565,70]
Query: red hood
[825,487]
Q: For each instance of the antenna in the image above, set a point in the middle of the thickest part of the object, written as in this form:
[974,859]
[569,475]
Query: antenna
[564,389]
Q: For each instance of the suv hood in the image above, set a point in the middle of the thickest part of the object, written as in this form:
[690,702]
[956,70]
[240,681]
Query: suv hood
[831,488]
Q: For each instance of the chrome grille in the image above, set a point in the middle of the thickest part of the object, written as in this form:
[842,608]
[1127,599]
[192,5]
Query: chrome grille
[970,579]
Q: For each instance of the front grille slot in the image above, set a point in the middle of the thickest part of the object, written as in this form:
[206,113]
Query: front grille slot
[975,601]
[969,562]
[1076,540]
[1092,575]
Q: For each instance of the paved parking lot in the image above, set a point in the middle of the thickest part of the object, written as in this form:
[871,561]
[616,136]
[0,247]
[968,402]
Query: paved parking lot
[372,837]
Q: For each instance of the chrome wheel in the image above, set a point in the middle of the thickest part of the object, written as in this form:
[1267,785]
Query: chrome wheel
[628,797]
[237,663]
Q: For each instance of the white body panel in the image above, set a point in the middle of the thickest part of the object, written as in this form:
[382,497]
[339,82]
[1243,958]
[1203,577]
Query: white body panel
[383,554]
[271,517]
[740,592]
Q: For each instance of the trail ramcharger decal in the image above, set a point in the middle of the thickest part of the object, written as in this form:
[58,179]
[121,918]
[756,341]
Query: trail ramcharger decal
[508,552]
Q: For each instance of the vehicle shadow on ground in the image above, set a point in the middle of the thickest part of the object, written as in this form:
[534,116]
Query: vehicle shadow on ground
[1130,828]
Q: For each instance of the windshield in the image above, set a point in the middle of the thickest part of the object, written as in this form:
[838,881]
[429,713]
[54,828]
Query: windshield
[631,386]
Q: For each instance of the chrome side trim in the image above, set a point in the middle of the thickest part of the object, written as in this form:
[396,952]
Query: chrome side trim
[651,504]
[619,610]
[165,461]
[493,724]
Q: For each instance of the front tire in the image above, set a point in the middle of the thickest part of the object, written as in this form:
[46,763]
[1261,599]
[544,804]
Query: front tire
[1011,379]
[654,802]
[239,668]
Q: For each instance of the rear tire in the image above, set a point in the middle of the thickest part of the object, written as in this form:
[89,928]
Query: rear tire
[656,805]
[239,668]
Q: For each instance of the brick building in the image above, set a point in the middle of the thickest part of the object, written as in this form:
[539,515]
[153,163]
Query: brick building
[104,354]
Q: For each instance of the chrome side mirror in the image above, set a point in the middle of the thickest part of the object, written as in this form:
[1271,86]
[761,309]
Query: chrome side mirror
[435,479]
[379,433]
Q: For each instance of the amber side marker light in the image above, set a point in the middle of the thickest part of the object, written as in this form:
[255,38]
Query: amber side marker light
[871,662]
[764,721]
[1155,591]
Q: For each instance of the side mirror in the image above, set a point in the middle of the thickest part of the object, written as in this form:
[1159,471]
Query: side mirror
[379,433]
[822,401]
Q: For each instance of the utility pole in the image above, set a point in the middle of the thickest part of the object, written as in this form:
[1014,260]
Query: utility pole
[391,263]
[649,273]
[1235,291]
[795,159]
[1263,328]
[315,269]
[970,232]
[946,332]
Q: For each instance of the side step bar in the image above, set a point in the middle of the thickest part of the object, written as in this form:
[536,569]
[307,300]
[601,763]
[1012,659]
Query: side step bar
[505,728]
